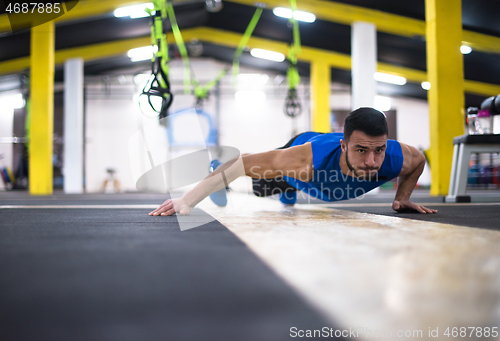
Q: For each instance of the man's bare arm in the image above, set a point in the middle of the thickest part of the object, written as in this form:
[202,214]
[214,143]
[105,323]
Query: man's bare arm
[295,162]
[413,166]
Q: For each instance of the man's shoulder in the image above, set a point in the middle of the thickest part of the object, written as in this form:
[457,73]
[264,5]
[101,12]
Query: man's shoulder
[394,159]
[328,138]
[326,143]
[317,137]
[394,147]
[412,157]
[335,136]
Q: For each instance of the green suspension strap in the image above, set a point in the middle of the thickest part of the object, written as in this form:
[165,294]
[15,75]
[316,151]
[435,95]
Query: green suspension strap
[201,92]
[293,107]
[157,89]
[182,48]
[244,41]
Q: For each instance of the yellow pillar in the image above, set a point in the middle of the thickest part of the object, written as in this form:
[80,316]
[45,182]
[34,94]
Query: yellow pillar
[42,109]
[320,96]
[446,96]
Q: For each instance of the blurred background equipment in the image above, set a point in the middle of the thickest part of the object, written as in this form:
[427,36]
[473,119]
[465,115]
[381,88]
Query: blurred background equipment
[213,6]
[492,106]
[111,184]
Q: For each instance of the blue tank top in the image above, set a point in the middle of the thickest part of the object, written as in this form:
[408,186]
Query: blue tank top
[329,183]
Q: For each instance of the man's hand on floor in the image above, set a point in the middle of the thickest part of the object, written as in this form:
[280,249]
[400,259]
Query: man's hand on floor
[408,206]
[171,206]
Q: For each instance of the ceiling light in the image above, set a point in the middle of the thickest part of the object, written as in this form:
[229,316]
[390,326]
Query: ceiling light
[304,16]
[465,49]
[297,15]
[282,12]
[382,103]
[135,11]
[12,101]
[426,85]
[387,78]
[269,55]
[142,53]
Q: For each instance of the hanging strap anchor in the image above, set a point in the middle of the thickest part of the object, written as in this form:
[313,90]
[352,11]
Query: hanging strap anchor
[293,107]
[157,89]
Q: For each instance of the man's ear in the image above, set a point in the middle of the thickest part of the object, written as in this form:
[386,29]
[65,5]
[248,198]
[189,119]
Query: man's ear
[343,145]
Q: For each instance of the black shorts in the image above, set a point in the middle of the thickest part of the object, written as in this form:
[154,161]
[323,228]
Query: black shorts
[267,187]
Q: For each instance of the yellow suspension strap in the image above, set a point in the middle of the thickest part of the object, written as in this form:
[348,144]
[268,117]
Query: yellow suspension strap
[293,107]
[157,89]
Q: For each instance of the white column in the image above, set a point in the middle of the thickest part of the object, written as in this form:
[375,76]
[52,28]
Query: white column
[364,64]
[73,126]
[363,68]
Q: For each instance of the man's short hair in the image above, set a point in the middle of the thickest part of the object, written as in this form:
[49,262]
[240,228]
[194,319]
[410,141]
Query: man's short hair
[368,120]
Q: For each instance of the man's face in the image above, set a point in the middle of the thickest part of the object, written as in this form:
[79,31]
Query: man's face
[364,154]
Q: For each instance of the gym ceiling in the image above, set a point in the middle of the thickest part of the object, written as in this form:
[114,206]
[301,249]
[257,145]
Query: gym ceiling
[93,33]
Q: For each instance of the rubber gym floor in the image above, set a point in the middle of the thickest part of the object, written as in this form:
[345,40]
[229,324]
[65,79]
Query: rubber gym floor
[98,267]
